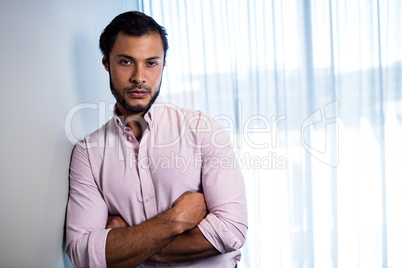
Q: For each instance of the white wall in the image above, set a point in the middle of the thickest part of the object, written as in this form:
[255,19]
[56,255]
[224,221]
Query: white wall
[49,62]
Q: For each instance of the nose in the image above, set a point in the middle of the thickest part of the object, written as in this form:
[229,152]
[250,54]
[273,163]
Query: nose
[138,76]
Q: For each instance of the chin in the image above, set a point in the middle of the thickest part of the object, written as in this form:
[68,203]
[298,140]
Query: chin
[136,106]
[139,103]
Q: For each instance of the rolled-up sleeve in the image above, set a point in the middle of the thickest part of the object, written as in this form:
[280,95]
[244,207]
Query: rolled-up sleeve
[86,215]
[225,227]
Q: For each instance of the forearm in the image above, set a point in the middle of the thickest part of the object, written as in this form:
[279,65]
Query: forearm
[128,247]
[188,246]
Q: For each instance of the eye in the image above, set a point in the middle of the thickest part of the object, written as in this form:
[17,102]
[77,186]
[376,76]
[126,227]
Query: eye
[125,62]
[152,63]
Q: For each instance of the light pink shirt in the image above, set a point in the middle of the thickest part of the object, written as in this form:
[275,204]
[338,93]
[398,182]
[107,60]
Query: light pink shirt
[181,150]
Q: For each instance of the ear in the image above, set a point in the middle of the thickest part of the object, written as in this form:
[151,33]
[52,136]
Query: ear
[105,62]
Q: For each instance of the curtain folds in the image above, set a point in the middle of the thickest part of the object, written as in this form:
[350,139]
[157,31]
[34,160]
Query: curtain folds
[311,93]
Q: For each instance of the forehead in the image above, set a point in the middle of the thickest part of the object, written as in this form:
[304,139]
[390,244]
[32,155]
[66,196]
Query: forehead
[146,45]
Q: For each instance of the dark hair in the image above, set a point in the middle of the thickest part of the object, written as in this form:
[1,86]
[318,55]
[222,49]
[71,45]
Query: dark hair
[132,23]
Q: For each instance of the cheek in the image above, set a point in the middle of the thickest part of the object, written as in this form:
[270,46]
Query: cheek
[119,76]
[156,78]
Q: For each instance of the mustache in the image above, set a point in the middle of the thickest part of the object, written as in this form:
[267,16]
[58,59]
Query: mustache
[138,86]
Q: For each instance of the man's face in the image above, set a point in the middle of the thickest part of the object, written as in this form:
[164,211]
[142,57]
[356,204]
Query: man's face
[135,69]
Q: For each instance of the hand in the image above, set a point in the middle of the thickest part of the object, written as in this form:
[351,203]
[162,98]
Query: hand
[191,209]
[115,222]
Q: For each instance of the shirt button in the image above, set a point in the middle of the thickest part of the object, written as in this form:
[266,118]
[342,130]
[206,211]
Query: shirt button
[147,200]
[143,166]
[130,138]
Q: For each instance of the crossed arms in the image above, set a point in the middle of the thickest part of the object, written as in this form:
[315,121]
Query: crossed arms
[182,233]
[171,236]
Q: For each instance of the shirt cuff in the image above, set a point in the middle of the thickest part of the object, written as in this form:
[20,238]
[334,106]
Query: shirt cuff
[97,248]
[218,234]
[89,250]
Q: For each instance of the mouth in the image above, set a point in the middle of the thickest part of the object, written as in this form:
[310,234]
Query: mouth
[137,94]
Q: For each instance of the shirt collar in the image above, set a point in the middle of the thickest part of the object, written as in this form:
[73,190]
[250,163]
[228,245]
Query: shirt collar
[151,116]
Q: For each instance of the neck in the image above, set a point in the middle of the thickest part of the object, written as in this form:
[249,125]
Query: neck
[135,121]
[138,127]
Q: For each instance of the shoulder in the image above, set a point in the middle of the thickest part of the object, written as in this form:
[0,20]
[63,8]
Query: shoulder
[96,139]
[193,120]
[182,113]
[206,130]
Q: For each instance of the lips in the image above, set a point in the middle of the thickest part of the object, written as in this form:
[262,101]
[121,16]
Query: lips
[138,94]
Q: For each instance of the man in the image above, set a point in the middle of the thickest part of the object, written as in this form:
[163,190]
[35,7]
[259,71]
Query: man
[156,185]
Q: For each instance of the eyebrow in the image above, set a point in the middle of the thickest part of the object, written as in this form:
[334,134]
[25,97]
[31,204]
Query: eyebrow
[132,58]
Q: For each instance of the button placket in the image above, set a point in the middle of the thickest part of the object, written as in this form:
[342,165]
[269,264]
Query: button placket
[147,187]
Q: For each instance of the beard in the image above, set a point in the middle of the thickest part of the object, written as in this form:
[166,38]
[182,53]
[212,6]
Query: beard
[119,96]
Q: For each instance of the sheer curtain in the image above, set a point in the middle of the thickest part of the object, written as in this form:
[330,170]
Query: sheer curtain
[311,94]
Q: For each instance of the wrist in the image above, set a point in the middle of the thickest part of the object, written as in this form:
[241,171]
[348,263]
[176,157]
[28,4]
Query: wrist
[173,218]
[157,257]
